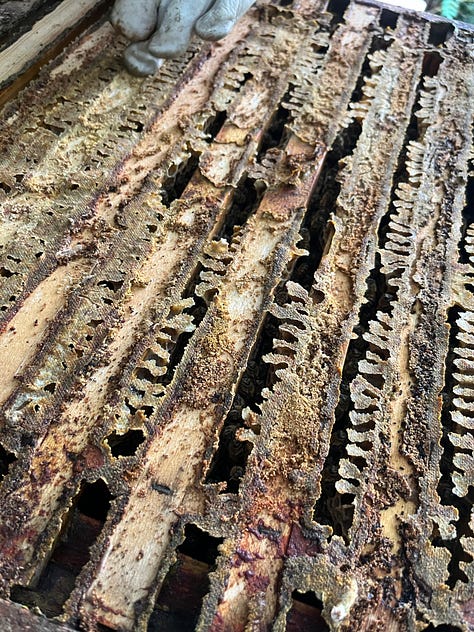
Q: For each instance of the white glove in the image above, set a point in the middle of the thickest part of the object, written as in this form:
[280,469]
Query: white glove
[164,28]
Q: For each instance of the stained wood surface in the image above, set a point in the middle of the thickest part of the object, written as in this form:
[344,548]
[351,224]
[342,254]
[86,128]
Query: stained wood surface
[15,618]
[39,40]
[18,16]
[237,330]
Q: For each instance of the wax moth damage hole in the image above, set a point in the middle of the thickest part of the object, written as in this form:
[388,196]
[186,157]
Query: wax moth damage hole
[113,286]
[179,602]
[125,444]
[178,340]
[305,613]
[80,529]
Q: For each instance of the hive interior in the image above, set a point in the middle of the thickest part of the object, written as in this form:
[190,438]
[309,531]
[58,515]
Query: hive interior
[237,330]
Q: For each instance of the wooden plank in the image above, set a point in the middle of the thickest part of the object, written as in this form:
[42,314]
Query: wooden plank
[45,40]
[277,489]
[18,17]
[230,398]
[15,618]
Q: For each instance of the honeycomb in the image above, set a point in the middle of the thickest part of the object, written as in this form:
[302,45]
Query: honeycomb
[237,331]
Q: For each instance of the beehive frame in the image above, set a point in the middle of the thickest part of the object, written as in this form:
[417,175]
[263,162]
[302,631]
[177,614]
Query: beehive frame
[237,330]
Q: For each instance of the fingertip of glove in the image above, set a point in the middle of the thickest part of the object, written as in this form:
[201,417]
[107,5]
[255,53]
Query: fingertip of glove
[140,62]
[212,29]
[166,50]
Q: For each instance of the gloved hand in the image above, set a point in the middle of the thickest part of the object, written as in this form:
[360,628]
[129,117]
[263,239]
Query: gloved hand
[163,28]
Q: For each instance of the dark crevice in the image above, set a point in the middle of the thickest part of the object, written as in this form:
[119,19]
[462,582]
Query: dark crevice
[135,125]
[401,174]
[464,505]
[214,125]
[6,459]
[80,530]
[179,602]
[388,19]
[125,444]
[333,508]
[174,343]
[230,459]
[380,42]
[237,81]
[57,130]
[245,201]
[174,186]
[431,63]
[440,32]
[178,345]
[468,220]
[305,614]
[316,230]
[442,628]
[113,286]
[94,500]
[276,134]
[199,545]
[337,8]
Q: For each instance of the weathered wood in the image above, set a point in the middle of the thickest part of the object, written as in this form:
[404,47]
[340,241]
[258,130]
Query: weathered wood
[15,618]
[18,16]
[45,38]
[236,330]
